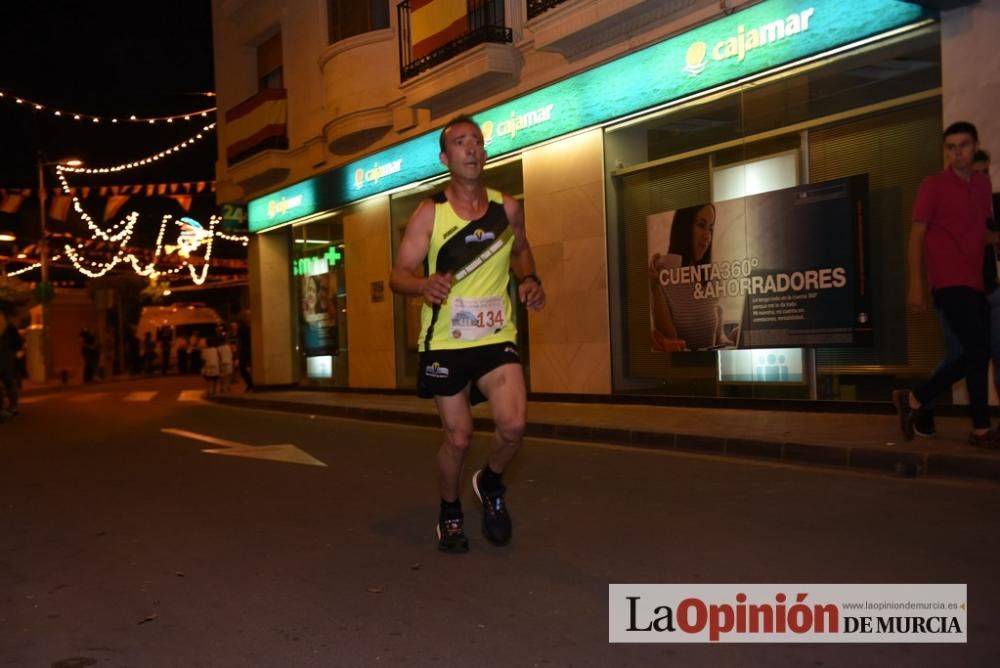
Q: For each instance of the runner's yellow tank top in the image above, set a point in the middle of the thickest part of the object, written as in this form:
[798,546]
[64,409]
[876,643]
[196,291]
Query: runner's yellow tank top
[477,254]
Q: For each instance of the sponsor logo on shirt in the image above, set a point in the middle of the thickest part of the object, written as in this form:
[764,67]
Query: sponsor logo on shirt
[479,236]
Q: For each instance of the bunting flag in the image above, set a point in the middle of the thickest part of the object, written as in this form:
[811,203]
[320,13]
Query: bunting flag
[11,202]
[183,200]
[59,208]
[257,124]
[434,23]
[114,203]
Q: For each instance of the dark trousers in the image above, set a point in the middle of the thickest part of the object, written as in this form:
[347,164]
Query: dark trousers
[967,313]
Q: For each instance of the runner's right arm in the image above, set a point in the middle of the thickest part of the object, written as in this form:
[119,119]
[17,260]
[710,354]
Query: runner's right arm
[412,251]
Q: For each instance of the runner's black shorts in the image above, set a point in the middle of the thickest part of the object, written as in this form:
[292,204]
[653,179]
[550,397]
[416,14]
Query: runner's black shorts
[445,373]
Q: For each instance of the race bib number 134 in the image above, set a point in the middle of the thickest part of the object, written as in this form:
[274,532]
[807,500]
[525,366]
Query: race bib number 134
[474,318]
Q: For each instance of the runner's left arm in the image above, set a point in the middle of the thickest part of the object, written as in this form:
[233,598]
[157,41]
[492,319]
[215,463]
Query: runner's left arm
[522,262]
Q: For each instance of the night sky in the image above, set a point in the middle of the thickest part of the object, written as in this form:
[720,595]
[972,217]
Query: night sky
[109,57]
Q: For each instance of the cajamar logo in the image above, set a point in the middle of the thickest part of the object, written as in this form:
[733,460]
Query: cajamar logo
[696,58]
[739,45]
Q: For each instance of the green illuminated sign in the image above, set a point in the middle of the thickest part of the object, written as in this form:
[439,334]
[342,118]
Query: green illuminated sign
[310,266]
[754,40]
[288,204]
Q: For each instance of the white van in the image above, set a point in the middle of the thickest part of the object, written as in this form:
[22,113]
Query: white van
[183,319]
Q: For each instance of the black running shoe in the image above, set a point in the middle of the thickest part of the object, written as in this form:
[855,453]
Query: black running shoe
[451,536]
[923,424]
[906,415]
[496,519]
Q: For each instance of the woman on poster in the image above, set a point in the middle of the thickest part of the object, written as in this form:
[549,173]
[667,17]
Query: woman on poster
[680,321]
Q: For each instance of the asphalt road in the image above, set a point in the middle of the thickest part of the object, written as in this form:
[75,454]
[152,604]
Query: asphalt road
[122,544]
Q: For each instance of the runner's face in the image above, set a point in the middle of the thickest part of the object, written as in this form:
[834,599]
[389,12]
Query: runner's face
[701,235]
[464,151]
[959,149]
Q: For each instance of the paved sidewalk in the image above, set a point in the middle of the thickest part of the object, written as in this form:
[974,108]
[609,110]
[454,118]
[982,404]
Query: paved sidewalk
[850,440]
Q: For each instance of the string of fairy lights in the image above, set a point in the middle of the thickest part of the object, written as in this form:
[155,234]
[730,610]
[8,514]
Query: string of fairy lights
[142,162]
[191,237]
[6,95]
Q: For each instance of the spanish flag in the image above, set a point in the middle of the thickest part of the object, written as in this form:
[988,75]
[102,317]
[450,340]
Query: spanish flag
[257,124]
[434,23]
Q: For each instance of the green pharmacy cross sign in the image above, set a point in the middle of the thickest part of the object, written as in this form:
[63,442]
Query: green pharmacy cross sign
[765,36]
[310,266]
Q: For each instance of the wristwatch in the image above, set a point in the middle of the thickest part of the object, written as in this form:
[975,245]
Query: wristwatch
[533,276]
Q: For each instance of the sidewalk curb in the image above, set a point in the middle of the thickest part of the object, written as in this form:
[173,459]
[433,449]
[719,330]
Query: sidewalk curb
[897,463]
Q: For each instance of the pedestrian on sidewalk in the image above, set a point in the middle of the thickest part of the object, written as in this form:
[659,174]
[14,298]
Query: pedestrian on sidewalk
[195,346]
[210,366]
[182,347]
[166,336]
[91,354]
[225,353]
[470,238]
[148,353]
[949,229]
[923,423]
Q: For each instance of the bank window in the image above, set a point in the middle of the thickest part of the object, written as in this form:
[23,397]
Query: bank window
[348,18]
[321,302]
[761,365]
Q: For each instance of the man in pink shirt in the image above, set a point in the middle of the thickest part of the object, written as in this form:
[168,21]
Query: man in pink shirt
[950,231]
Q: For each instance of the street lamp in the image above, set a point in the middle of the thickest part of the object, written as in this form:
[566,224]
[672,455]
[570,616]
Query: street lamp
[45,288]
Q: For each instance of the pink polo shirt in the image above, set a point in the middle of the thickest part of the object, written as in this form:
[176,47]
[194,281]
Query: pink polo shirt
[955,211]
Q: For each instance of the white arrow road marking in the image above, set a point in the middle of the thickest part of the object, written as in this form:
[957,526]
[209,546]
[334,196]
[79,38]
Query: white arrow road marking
[277,453]
[140,396]
[191,395]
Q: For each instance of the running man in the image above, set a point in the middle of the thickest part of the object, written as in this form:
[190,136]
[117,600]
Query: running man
[469,238]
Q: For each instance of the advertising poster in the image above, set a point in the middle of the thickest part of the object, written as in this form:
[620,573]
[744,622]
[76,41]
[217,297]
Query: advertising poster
[319,314]
[783,269]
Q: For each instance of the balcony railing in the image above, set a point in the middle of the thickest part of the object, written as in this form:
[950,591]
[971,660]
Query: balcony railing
[538,7]
[483,22]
